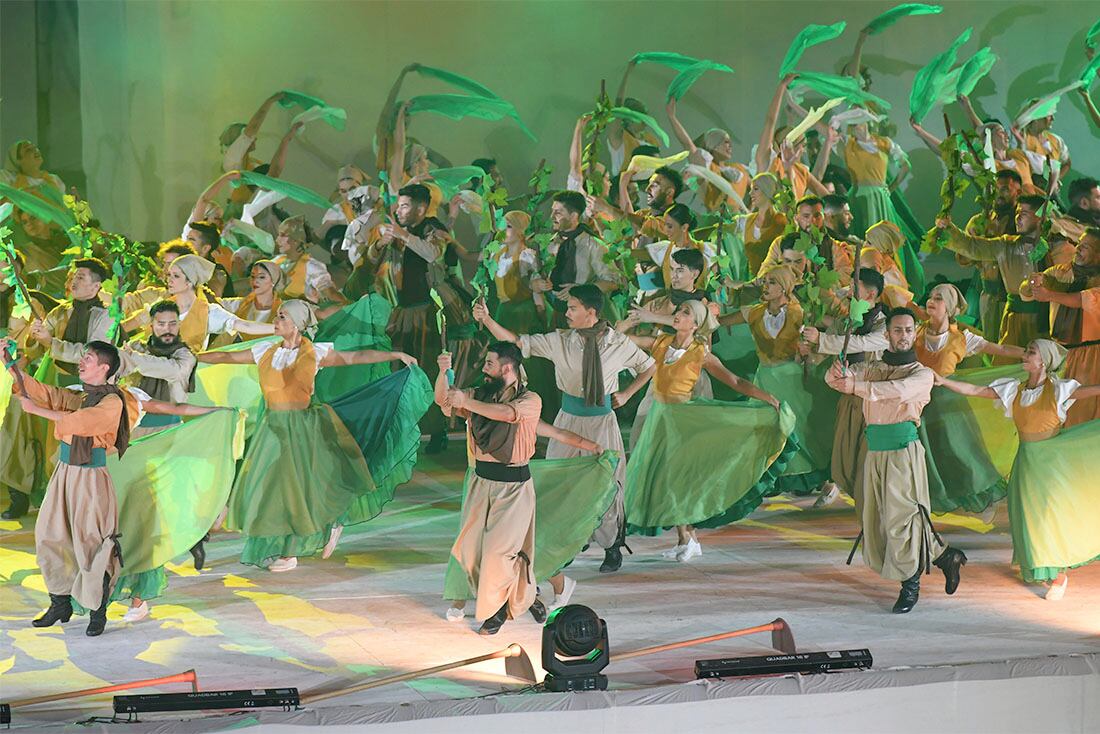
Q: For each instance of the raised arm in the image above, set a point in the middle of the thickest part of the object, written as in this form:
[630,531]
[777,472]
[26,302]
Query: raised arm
[972,246]
[854,64]
[211,194]
[383,130]
[278,161]
[764,147]
[678,129]
[719,372]
[733,318]
[965,388]
[481,315]
[927,138]
[968,108]
[252,129]
[567,437]
[1091,106]
[576,148]
[822,163]
[337,358]
[396,163]
[442,386]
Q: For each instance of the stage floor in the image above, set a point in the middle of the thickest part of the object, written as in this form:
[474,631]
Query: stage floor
[375,608]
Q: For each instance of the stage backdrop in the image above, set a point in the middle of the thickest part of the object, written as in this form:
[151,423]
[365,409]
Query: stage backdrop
[160,80]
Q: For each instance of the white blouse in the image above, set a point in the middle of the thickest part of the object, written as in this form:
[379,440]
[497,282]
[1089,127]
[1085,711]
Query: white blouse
[773,323]
[285,356]
[528,263]
[936,342]
[1008,387]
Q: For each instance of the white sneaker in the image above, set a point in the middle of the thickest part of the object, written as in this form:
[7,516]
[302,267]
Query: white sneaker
[566,594]
[333,539]
[283,564]
[454,614]
[138,613]
[1057,591]
[829,494]
[673,551]
[689,551]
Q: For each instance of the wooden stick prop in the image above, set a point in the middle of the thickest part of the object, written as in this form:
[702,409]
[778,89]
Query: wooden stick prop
[441,326]
[188,676]
[782,640]
[9,358]
[35,306]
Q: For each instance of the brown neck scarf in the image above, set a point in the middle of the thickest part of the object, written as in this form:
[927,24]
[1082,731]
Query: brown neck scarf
[76,329]
[495,438]
[591,366]
[80,448]
[158,388]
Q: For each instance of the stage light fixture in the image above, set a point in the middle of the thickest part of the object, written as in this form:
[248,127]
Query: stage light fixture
[575,650]
[5,714]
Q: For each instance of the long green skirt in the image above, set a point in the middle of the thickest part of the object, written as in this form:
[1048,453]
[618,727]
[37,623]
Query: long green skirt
[814,406]
[1054,503]
[571,496]
[871,204]
[703,463]
[359,325]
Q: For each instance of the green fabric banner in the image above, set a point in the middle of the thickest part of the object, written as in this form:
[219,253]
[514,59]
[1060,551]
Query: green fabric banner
[809,36]
[887,19]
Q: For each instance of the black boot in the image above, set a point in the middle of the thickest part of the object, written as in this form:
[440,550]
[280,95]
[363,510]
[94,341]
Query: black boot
[950,562]
[910,592]
[20,503]
[538,611]
[493,624]
[97,619]
[61,609]
[198,552]
[612,560]
[437,444]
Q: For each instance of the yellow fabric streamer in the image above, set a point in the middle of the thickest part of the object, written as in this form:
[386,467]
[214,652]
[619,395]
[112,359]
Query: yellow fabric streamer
[812,118]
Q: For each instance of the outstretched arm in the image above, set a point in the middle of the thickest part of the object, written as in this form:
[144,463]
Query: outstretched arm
[364,356]
[253,328]
[764,147]
[241,357]
[678,128]
[213,191]
[1002,350]
[278,161]
[1091,106]
[252,129]
[718,370]
[1087,391]
[928,138]
[481,314]
[965,388]
[971,115]
[567,437]
[160,407]
[852,69]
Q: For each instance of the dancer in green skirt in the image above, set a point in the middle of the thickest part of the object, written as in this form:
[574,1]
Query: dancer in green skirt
[305,475]
[1053,495]
[673,477]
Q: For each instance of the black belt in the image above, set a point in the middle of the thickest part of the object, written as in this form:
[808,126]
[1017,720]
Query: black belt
[495,472]
[1079,345]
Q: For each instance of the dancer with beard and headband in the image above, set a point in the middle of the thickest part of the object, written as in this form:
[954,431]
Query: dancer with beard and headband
[25,440]
[587,357]
[76,535]
[1053,503]
[496,545]
[308,470]
[899,542]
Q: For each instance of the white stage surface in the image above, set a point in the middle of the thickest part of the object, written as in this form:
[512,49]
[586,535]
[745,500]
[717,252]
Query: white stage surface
[994,657]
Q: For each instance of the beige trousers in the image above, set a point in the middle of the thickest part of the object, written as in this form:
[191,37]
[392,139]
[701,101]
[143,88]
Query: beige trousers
[73,534]
[496,545]
[849,446]
[898,540]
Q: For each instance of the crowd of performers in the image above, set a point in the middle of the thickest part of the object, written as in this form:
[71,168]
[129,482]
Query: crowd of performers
[760,320]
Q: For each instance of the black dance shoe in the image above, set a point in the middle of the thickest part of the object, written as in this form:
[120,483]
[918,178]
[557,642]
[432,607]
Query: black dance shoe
[612,560]
[61,609]
[198,552]
[493,624]
[950,562]
[910,592]
[538,611]
[437,444]
[20,504]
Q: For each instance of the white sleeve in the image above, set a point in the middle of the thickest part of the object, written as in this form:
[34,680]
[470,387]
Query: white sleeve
[260,350]
[974,343]
[1063,393]
[219,320]
[574,184]
[322,349]
[1006,389]
[528,262]
[706,156]
[234,155]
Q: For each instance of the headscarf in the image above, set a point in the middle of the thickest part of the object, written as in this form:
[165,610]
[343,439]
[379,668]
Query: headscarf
[278,278]
[1052,353]
[303,316]
[712,138]
[11,161]
[704,319]
[196,269]
[766,182]
[952,298]
[355,173]
[415,152]
[294,228]
[885,237]
[520,221]
[785,276]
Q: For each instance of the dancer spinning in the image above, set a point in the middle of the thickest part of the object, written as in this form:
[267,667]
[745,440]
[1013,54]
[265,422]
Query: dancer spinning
[1053,504]
[673,478]
[304,475]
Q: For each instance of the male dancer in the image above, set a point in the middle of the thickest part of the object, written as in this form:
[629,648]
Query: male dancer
[587,357]
[76,535]
[899,541]
[496,544]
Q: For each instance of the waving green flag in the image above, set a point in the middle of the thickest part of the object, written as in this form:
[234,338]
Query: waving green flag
[290,190]
[1092,38]
[455,80]
[811,35]
[929,82]
[38,207]
[683,81]
[305,101]
[887,19]
[450,180]
[459,106]
[976,67]
[666,58]
[832,86]
[624,113]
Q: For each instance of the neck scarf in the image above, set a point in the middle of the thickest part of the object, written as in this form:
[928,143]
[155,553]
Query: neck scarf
[77,328]
[80,448]
[495,438]
[678,297]
[565,267]
[899,359]
[158,388]
[591,366]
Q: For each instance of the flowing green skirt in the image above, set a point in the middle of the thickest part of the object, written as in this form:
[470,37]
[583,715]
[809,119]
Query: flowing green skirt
[703,463]
[961,472]
[1054,503]
[360,325]
[814,405]
[571,497]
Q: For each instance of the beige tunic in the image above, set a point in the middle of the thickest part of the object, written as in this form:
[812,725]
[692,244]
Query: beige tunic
[565,348]
[898,539]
